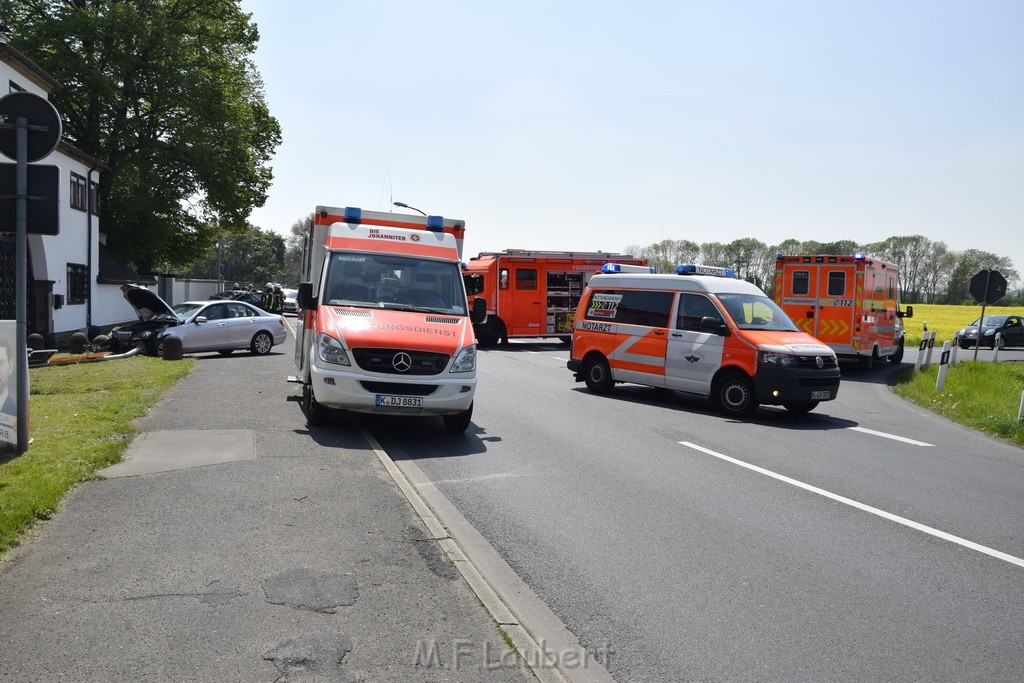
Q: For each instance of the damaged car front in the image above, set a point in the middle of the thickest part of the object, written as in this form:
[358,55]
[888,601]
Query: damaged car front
[154,317]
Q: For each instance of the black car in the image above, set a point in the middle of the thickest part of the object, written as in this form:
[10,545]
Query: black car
[1009,327]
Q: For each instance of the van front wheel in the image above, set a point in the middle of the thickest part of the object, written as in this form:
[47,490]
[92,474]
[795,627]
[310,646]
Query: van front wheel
[316,414]
[735,395]
[598,375]
[459,422]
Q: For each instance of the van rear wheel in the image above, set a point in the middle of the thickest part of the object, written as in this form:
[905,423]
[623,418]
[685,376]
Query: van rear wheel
[598,375]
[735,395]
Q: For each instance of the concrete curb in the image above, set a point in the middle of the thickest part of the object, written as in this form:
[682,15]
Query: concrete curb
[552,652]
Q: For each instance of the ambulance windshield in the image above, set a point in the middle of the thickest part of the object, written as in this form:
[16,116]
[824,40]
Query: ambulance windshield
[751,312]
[364,280]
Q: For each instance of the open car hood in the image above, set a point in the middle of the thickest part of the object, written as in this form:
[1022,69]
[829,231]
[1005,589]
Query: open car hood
[146,303]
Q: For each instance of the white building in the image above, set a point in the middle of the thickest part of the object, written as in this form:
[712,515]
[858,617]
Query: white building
[73,283]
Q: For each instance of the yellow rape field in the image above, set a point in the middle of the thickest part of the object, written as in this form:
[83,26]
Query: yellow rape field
[946,319]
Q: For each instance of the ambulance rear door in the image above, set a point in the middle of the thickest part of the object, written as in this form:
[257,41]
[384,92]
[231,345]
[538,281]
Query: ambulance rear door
[835,291]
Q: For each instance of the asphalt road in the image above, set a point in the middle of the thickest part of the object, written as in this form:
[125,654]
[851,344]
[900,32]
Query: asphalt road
[868,540]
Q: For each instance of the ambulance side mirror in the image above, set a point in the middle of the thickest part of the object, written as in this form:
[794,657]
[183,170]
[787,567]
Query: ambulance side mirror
[305,299]
[478,313]
[909,313]
[710,323]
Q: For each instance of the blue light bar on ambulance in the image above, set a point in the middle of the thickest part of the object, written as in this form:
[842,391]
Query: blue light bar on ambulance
[858,256]
[435,223]
[353,215]
[696,269]
[612,268]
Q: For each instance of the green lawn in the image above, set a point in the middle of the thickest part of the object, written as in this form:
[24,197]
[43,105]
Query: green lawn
[980,395]
[80,421]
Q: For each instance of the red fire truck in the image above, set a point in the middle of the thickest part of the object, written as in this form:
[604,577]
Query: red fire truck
[532,293]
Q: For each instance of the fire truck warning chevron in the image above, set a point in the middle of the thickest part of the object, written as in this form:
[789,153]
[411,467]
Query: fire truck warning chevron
[383,323]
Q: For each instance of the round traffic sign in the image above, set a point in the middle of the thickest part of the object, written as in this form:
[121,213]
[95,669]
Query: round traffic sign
[39,113]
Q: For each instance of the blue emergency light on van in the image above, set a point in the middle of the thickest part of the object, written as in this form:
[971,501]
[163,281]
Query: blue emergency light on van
[612,268]
[353,215]
[697,269]
[435,223]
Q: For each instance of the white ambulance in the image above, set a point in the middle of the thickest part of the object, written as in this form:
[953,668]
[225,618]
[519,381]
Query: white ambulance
[383,325]
[700,331]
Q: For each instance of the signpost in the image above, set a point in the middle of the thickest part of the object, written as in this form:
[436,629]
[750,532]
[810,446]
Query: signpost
[30,129]
[987,287]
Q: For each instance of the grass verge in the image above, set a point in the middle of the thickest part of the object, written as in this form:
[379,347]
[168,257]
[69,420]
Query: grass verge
[983,396]
[81,421]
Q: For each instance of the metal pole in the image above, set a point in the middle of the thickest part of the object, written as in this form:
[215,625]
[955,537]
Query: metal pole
[21,288]
[981,328]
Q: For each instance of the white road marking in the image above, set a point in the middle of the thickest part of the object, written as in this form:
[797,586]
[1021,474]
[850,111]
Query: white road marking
[865,508]
[891,436]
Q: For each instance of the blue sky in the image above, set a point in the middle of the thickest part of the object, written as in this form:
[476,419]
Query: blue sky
[598,125]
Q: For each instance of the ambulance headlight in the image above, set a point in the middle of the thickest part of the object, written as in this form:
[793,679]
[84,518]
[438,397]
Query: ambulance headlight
[777,359]
[330,350]
[466,360]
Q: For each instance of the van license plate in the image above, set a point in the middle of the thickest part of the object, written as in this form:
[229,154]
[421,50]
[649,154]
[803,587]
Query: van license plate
[386,401]
[821,394]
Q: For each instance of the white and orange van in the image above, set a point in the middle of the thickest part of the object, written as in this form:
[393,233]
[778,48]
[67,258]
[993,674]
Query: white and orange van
[700,331]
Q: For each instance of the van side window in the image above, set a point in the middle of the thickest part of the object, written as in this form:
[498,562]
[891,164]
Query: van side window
[801,282]
[631,307]
[837,283]
[645,308]
[692,308]
[526,278]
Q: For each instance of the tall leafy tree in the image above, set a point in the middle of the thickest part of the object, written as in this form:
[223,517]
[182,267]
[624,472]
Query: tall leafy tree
[252,257]
[293,251]
[165,93]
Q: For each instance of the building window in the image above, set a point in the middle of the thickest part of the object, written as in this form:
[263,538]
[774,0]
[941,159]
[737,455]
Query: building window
[14,87]
[79,198]
[78,283]
[94,198]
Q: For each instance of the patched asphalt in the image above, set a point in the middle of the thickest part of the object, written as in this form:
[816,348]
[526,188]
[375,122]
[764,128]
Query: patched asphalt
[233,543]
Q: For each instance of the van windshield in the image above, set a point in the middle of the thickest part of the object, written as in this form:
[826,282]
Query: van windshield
[365,280]
[752,312]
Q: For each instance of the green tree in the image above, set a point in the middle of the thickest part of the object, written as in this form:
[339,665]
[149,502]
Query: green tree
[165,93]
[253,257]
[968,264]
[293,251]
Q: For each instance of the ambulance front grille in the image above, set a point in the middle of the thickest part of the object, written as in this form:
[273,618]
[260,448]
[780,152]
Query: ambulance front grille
[400,361]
